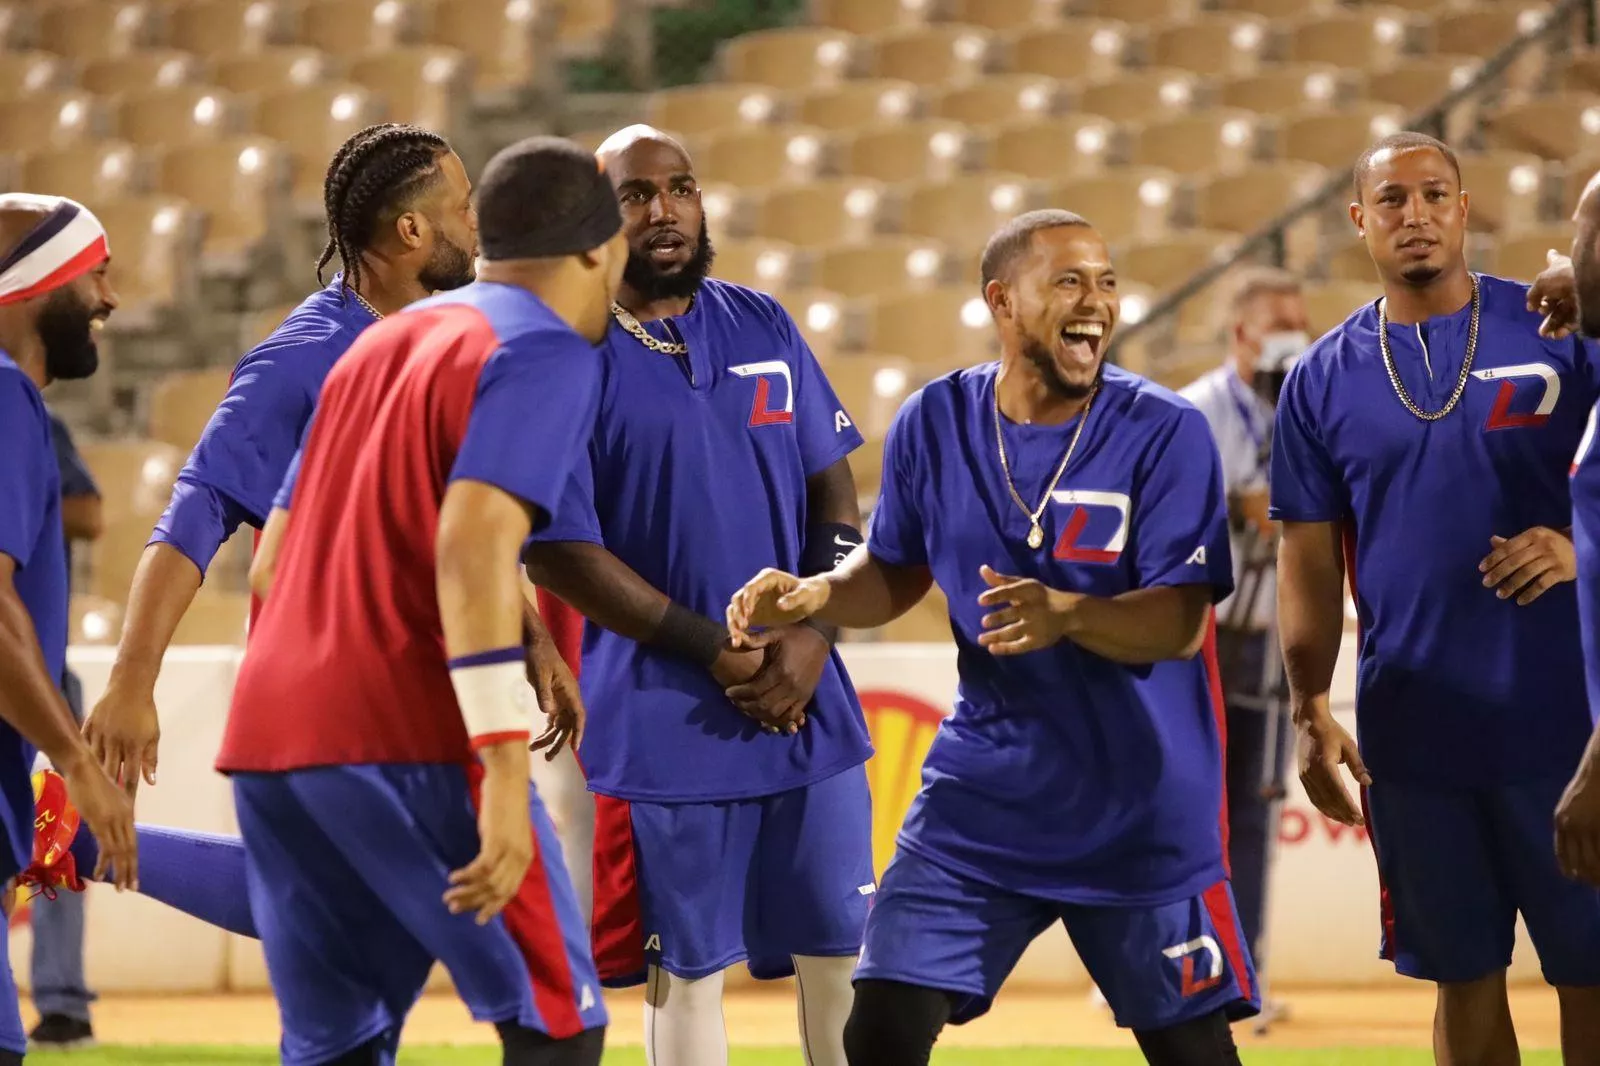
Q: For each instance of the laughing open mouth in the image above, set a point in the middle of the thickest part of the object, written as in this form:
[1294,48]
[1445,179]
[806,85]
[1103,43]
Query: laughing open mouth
[1083,338]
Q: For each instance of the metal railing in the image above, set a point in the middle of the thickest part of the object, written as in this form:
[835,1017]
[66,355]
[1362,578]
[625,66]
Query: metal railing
[1270,239]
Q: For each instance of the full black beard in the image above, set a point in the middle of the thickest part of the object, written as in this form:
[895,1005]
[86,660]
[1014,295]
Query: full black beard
[64,329]
[652,284]
[1038,353]
[449,267]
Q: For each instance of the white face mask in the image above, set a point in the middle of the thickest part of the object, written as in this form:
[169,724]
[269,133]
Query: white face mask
[1280,350]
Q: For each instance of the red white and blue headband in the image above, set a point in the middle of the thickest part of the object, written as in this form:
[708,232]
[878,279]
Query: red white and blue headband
[66,245]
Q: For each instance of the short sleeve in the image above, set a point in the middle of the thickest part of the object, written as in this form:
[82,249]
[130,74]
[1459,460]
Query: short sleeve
[76,480]
[1305,483]
[25,486]
[1179,525]
[895,533]
[531,419]
[575,517]
[824,429]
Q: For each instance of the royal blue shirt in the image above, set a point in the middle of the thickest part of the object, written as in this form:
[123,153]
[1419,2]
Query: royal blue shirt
[30,532]
[696,478]
[240,460]
[1063,774]
[1454,686]
[76,480]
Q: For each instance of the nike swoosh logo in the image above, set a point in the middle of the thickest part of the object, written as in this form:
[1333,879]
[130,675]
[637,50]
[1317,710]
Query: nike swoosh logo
[843,543]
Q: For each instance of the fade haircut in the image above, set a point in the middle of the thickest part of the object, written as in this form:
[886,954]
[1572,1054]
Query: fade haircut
[374,177]
[1015,238]
[1400,142]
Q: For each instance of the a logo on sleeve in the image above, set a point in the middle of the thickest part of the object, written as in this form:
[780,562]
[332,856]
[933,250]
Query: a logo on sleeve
[841,422]
[1528,393]
[765,411]
[1208,973]
[1096,528]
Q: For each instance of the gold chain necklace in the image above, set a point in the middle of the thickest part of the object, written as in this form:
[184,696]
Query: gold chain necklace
[1394,373]
[642,335]
[1035,531]
[362,300]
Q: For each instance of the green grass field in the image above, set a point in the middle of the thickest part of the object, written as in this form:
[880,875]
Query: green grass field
[488,1056]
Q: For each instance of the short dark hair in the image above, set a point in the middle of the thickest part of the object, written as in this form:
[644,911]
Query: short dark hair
[375,175]
[1014,239]
[1401,142]
[544,197]
[1261,281]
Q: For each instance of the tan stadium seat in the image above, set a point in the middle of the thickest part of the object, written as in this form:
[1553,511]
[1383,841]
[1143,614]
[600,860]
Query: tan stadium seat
[1141,95]
[135,479]
[183,402]
[1572,176]
[258,325]
[88,172]
[51,119]
[183,114]
[1129,203]
[770,266]
[1244,202]
[1085,49]
[1425,7]
[1280,9]
[1329,303]
[1505,189]
[1006,15]
[1215,44]
[796,58]
[242,183]
[827,320]
[156,243]
[852,104]
[507,40]
[944,327]
[1166,263]
[729,210]
[1217,140]
[267,70]
[1523,257]
[1145,11]
[912,151]
[26,73]
[1289,87]
[312,123]
[133,72]
[963,212]
[430,87]
[889,264]
[1054,147]
[215,27]
[1557,126]
[937,55]
[1581,71]
[868,16]
[871,389]
[759,156]
[1001,98]
[355,27]
[584,26]
[693,110]
[1418,82]
[215,617]
[1349,260]
[832,211]
[1368,38]
[89,29]
[1336,138]
[94,620]
[18,26]
[1484,29]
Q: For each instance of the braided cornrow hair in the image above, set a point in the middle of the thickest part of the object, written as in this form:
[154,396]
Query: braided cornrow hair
[377,171]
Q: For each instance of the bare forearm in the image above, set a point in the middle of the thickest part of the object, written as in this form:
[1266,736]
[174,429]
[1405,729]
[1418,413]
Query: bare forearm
[865,592]
[30,699]
[164,585]
[601,587]
[1310,617]
[1143,626]
[81,517]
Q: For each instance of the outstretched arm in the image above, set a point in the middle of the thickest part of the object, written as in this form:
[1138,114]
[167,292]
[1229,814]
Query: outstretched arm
[863,593]
[1141,626]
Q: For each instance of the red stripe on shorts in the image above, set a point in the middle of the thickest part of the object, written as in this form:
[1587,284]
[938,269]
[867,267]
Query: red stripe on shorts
[617,928]
[1226,922]
[1219,712]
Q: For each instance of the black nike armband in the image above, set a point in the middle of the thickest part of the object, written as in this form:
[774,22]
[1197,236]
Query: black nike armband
[826,547]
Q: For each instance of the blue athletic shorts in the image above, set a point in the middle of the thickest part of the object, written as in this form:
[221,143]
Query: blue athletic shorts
[347,868]
[695,887]
[1157,965]
[1456,865]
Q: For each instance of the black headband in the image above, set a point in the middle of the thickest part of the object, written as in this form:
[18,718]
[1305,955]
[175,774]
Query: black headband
[592,222]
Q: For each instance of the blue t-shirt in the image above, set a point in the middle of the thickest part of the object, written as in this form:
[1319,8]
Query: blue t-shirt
[30,532]
[696,478]
[1454,685]
[239,462]
[76,480]
[1586,544]
[1063,774]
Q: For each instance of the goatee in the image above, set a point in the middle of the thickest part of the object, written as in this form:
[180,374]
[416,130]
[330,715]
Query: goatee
[1039,355]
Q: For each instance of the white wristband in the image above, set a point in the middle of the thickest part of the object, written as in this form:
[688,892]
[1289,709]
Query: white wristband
[496,701]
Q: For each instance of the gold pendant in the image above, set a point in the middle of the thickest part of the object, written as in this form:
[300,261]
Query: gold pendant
[1035,537]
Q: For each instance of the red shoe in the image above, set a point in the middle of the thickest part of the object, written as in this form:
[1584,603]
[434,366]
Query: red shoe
[55,823]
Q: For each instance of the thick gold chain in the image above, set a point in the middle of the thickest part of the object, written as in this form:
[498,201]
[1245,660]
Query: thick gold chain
[1035,531]
[362,300]
[631,324]
[1466,363]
